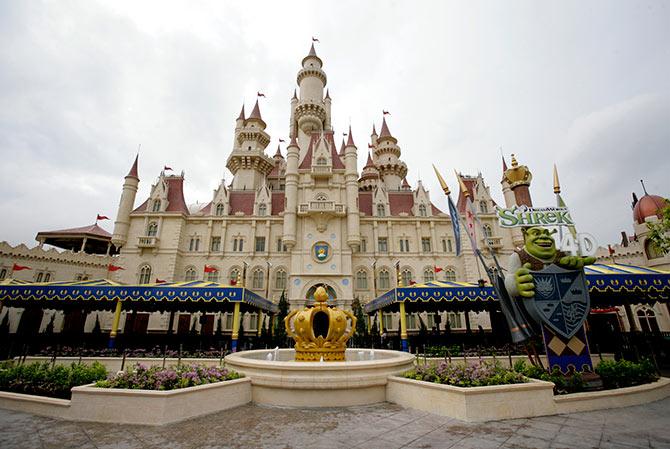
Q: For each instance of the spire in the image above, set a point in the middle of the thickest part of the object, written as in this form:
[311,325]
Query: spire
[327,94]
[295,97]
[342,148]
[405,184]
[369,163]
[350,139]
[312,51]
[278,153]
[256,113]
[374,131]
[504,163]
[241,116]
[635,200]
[385,129]
[133,169]
[557,184]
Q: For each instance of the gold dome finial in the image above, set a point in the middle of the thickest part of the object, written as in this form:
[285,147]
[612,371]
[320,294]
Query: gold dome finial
[320,295]
[514,162]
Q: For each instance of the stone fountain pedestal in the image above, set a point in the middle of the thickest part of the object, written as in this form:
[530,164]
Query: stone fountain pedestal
[360,379]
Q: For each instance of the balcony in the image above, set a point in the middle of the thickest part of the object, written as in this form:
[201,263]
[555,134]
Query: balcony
[321,207]
[147,242]
[493,242]
[322,171]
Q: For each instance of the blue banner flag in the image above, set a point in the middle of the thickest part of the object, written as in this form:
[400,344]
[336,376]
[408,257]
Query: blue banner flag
[455,222]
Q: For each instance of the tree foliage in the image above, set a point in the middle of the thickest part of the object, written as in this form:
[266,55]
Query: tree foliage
[280,328]
[659,232]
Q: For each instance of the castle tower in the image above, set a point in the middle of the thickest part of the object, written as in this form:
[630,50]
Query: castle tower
[248,161]
[311,112]
[369,176]
[518,180]
[122,223]
[351,185]
[291,194]
[387,159]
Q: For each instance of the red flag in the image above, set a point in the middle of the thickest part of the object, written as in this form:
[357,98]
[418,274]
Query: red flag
[18,267]
[386,112]
[282,140]
[259,94]
[160,281]
[370,145]
[610,249]
[470,218]
[112,267]
[438,269]
[315,39]
[233,282]
[102,217]
[210,269]
[412,282]
[166,168]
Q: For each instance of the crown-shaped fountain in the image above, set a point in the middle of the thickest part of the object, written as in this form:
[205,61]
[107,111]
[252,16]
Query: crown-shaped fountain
[320,332]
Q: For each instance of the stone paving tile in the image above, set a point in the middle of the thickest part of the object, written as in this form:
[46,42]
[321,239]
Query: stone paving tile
[378,426]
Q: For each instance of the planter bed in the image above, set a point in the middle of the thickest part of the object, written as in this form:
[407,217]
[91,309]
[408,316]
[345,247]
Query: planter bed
[124,406]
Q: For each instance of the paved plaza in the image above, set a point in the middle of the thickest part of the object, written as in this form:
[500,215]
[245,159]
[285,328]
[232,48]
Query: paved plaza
[376,426]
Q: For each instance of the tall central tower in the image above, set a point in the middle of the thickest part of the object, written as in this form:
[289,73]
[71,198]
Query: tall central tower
[310,111]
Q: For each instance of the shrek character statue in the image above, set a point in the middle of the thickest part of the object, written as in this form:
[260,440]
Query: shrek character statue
[539,250]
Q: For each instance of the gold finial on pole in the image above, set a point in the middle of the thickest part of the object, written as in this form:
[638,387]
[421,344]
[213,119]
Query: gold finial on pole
[557,184]
[440,179]
[461,184]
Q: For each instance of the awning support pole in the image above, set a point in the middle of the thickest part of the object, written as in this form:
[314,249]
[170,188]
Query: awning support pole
[380,316]
[403,327]
[236,327]
[260,321]
[115,324]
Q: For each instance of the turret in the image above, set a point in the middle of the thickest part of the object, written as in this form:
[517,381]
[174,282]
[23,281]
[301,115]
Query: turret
[122,223]
[291,194]
[312,113]
[387,159]
[248,161]
[327,103]
[351,184]
[373,136]
[369,176]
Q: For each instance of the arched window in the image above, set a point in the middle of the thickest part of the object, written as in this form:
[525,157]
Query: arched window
[362,280]
[321,197]
[234,274]
[262,210]
[194,244]
[384,280]
[214,275]
[152,229]
[190,274]
[47,277]
[428,275]
[145,274]
[39,277]
[219,209]
[647,319]
[280,279]
[422,210]
[3,273]
[487,231]
[652,250]
[406,276]
[257,279]
[321,161]
[156,206]
[483,207]
[381,210]
[450,275]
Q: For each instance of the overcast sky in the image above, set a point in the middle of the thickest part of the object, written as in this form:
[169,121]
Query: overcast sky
[585,85]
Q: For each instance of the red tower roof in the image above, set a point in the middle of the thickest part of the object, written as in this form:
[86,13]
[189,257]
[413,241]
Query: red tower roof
[133,169]
[256,113]
[648,206]
[385,129]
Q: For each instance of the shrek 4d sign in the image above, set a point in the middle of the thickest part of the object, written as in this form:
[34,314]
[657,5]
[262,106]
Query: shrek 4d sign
[518,216]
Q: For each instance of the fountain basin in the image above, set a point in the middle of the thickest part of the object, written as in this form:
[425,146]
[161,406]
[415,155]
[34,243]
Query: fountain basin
[358,380]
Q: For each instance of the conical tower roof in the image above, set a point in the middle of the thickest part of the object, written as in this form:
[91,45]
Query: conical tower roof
[133,169]
[256,113]
[350,139]
[241,116]
[385,129]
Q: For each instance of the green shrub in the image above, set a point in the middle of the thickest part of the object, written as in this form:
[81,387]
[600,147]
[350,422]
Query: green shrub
[563,384]
[43,380]
[142,377]
[624,373]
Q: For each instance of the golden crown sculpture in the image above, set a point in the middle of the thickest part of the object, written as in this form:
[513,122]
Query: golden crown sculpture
[320,331]
[518,175]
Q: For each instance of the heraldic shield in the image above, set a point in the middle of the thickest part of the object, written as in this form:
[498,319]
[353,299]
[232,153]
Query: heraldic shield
[561,299]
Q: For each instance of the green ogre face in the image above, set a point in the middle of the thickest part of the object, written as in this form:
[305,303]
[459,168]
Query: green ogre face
[539,243]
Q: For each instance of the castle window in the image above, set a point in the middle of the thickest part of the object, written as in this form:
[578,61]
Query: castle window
[647,319]
[47,277]
[156,206]
[39,276]
[152,229]
[428,275]
[321,161]
[234,274]
[3,273]
[384,280]
[216,244]
[406,277]
[381,210]
[404,245]
[454,320]
[190,274]
[422,210]
[145,274]
[449,248]
[425,244]
[487,231]
[214,275]
[281,247]
[483,208]
[450,275]
[262,210]
[387,321]
[260,244]
[238,244]
[382,245]
[321,197]
[219,209]
[364,245]
[280,279]
[257,279]
[362,280]
[444,245]
[194,244]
